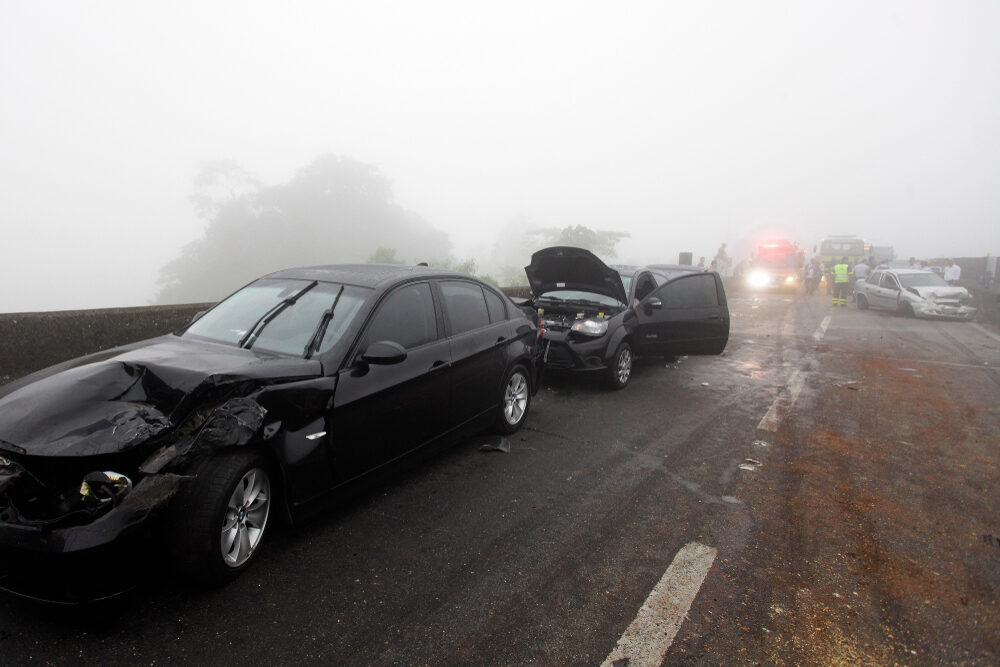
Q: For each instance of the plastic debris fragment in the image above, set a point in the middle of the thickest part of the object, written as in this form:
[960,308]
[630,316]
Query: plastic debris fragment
[759,443]
[496,443]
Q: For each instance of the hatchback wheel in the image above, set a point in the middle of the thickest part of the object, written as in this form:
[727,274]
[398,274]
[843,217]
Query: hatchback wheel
[515,401]
[220,521]
[620,370]
[862,302]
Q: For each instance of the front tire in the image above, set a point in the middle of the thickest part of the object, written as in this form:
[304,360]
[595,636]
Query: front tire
[905,309]
[515,401]
[221,518]
[620,370]
[862,302]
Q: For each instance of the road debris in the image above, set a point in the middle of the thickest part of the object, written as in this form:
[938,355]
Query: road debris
[496,443]
[759,443]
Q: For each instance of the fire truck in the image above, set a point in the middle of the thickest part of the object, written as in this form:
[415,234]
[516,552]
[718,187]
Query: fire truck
[775,265]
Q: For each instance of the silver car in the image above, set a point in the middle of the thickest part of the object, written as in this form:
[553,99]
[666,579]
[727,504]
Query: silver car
[914,292]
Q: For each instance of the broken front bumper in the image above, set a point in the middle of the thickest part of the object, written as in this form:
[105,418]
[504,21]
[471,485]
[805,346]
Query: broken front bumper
[562,353]
[941,311]
[146,499]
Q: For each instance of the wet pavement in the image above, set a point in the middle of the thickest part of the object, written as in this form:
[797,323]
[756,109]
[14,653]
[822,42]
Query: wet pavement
[839,467]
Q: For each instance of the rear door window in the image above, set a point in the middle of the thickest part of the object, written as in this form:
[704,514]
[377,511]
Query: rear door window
[464,305]
[495,306]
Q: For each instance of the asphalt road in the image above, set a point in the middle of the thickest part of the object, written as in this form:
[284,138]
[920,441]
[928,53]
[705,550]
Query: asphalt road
[862,527]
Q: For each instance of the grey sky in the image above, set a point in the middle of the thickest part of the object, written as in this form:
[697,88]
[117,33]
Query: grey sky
[684,124]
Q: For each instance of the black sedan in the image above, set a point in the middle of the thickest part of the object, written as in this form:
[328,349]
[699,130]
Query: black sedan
[270,404]
[595,318]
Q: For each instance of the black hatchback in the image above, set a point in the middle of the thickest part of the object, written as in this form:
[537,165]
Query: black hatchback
[596,318]
[288,391]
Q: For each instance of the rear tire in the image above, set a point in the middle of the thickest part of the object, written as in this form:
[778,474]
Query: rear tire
[620,370]
[515,401]
[862,302]
[221,518]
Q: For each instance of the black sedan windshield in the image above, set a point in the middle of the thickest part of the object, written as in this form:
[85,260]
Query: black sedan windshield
[283,314]
[922,280]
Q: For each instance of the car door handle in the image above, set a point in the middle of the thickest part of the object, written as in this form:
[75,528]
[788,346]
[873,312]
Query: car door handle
[439,366]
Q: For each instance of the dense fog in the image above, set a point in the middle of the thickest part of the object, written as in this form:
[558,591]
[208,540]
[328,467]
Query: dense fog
[171,153]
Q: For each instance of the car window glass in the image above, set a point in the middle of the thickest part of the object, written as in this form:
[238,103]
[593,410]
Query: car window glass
[293,327]
[875,277]
[406,317]
[690,292]
[495,305]
[465,305]
[644,286]
[889,282]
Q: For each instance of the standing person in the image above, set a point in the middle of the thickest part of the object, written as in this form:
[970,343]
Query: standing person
[952,273]
[913,262]
[701,264]
[722,260]
[811,277]
[861,270]
[841,282]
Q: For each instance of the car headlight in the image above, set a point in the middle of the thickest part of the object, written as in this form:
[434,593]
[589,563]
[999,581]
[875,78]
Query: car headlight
[590,327]
[790,279]
[758,278]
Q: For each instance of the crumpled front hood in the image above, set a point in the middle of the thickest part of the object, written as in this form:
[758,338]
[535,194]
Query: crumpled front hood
[942,292]
[123,397]
[567,268]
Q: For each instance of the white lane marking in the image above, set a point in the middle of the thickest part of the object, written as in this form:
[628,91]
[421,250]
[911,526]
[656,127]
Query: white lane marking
[647,639]
[819,333]
[982,329]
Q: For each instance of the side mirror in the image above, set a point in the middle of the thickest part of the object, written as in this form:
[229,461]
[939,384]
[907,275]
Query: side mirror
[652,304]
[384,353]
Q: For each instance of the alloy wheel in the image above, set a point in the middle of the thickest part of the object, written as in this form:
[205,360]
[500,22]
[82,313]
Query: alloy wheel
[246,517]
[515,398]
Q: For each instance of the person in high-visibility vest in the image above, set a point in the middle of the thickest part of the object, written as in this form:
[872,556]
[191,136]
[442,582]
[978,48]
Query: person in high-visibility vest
[841,282]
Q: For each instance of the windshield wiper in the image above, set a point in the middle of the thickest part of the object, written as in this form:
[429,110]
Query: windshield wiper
[251,336]
[317,337]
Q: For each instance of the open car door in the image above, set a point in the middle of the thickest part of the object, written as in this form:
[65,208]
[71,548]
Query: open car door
[687,315]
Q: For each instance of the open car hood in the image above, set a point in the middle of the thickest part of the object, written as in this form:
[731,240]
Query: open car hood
[114,400]
[564,267]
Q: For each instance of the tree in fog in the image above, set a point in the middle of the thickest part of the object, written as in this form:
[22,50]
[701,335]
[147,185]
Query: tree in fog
[601,243]
[333,210]
[384,256]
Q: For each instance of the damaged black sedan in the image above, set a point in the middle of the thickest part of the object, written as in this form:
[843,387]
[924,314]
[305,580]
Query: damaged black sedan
[597,318]
[270,404]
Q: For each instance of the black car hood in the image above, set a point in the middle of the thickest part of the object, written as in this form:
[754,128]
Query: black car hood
[563,267]
[111,401]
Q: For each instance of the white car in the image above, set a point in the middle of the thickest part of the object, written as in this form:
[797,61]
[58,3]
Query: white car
[914,292]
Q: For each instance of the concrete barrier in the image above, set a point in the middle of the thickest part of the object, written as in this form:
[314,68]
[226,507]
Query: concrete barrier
[32,341]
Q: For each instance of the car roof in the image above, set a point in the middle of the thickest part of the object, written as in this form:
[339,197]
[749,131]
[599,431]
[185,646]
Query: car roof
[905,271]
[363,275]
[625,269]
